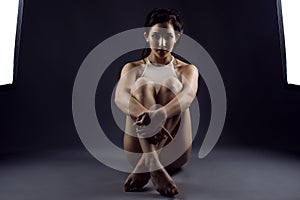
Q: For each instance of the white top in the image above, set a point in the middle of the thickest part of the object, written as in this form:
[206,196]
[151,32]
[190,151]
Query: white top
[158,73]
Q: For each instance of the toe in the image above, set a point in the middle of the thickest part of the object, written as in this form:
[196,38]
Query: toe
[172,191]
[127,184]
[175,191]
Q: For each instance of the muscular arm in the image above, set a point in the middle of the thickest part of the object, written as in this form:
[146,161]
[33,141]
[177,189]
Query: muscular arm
[125,101]
[185,97]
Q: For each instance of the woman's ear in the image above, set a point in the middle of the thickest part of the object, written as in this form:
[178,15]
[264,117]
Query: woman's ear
[146,36]
[177,37]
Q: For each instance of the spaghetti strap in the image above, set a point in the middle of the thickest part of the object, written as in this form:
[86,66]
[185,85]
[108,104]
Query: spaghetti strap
[144,68]
[148,61]
[172,60]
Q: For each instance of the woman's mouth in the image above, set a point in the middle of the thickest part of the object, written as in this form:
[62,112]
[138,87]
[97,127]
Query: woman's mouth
[162,50]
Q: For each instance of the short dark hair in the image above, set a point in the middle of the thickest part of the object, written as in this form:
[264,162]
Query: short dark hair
[161,15]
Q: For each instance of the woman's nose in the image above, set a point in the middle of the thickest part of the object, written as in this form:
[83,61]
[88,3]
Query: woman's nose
[162,42]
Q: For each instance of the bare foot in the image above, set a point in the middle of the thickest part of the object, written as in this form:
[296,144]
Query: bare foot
[160,178]
[163,183]
[137,179]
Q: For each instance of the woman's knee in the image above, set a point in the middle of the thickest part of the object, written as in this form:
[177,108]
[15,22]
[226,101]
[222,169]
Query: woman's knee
[172,84]
[168,90]
[141,83]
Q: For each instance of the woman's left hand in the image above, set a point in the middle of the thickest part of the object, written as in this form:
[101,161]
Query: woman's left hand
[151,122]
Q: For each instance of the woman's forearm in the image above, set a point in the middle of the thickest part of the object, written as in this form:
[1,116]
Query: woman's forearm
[185,97]
[179,103]
[129,105]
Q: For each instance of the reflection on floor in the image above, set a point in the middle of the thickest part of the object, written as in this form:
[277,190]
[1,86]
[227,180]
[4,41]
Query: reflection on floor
[233,174]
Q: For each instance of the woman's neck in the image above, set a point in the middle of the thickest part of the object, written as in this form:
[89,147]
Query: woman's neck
[160,60]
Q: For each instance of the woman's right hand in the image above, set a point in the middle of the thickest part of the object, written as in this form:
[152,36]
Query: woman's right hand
[152,120]
[143,119]
[150,125]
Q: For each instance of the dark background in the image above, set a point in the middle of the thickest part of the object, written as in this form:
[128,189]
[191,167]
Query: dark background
[241,36]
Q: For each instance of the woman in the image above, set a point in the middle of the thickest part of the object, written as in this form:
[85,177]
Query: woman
[155,93]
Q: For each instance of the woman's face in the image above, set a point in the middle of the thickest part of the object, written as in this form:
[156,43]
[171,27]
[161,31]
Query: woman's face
[161,38]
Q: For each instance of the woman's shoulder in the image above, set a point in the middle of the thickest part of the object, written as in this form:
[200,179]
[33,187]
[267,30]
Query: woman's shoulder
[135,65]
[183,66]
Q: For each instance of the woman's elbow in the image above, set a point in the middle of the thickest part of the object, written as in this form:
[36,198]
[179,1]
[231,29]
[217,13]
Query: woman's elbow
[117,101]
[189,99]
[121,102]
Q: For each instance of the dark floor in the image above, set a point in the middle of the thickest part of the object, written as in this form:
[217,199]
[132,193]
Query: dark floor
[233,174]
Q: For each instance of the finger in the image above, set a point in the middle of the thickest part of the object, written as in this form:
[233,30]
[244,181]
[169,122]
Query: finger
[141,121]
[138,123]
[127,185]
[167,133]
[135,125]
[139,117]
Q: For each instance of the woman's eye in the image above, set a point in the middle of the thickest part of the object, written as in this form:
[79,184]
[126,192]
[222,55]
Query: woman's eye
[156,36]
[169,37]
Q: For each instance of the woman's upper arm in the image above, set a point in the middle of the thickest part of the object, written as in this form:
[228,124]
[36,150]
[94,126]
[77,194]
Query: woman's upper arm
[127,78]
[190,78]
